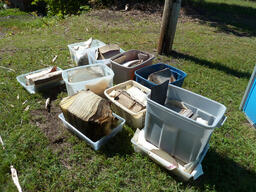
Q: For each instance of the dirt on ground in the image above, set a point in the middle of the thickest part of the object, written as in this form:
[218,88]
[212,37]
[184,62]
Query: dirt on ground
[49,123]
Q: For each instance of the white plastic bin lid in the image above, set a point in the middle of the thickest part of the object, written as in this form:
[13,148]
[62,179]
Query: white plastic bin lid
[141,145]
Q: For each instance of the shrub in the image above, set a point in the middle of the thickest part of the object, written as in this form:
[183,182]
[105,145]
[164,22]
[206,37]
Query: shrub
[62,7]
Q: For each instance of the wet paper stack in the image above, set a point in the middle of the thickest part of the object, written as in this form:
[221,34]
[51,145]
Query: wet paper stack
[107,51]
[183,110]
[161,76]
[126,61]
[88,73]
[132,98]
[41,78]
[89,113]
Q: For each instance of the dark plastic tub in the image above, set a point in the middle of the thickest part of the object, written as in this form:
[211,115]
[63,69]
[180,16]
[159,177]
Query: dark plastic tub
[143,73]
[123,73]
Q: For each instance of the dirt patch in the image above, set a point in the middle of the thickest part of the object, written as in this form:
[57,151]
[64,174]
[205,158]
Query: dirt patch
[50,124]
[137,13]
[54,130]
[18,17]
[107,15]
[2,35]
[9,51]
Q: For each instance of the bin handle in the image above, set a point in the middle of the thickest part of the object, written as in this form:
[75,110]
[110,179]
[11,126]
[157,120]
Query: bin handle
[222,121]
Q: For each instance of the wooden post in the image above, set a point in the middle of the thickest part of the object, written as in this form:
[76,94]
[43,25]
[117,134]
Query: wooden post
[168,27]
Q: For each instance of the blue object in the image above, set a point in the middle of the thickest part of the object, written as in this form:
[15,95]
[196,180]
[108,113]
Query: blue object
[248,104]
[143,73]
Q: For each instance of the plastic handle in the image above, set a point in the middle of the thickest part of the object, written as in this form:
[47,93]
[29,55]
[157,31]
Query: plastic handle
[222,121]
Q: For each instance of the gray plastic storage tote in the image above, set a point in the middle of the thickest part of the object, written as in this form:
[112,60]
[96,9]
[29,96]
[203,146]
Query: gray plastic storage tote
[180,136]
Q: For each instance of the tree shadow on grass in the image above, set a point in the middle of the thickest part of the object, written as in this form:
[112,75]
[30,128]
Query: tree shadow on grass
[53,93]
[211,65]
[223,174]
[227,18]
[119,145]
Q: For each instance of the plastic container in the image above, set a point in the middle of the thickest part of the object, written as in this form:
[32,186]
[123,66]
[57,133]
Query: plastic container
[127,73]
[31,88]
[96,77]
[95,145]
[182,137]
[135,120]
[83,56]
[92,58]
[248,103]
[143,73]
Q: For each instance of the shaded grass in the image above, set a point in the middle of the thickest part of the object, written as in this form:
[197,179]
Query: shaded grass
[11,12]
[232,16]
[218,66]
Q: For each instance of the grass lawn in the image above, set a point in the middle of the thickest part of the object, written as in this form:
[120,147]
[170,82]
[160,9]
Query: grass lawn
[215,45]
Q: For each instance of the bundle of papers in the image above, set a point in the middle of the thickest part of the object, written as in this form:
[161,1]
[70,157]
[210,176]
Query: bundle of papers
[89,113]
[132,98]
[161,76]
[47,76]
[107,51]
[181,108]
[126,61]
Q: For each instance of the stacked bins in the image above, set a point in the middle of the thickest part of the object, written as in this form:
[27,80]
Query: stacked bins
[127,73]
[143,73]
[96,77]
[135,120]
[180,136]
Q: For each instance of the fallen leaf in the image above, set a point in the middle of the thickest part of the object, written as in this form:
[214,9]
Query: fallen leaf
[15,178]
[54,59]
[47,103]
[27,108]
[1,141]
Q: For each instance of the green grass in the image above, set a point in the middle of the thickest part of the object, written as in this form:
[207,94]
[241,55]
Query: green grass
[11,12]
[218,64]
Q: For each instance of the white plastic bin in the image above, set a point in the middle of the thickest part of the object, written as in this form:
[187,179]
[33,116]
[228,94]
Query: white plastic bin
[182,137]
[31,88]
[95,145]
[135,120]
[96,77]
[81,54]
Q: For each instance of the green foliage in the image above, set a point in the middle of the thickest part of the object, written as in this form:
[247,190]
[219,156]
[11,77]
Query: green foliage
[11,12]
[1,5]
[63,7]
[69,7]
